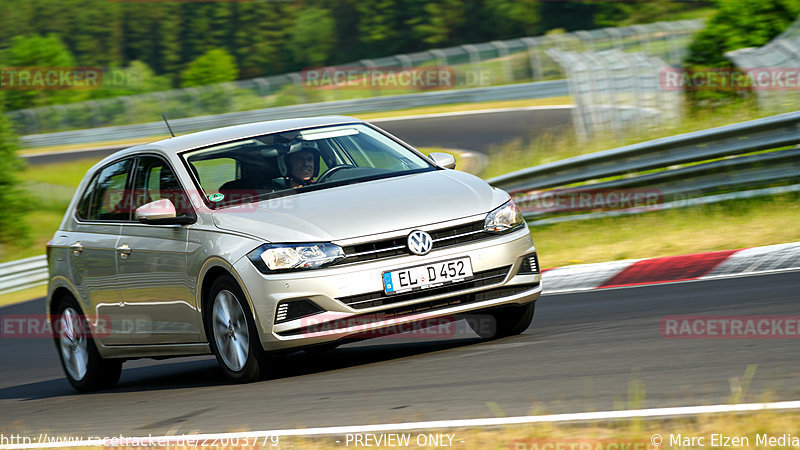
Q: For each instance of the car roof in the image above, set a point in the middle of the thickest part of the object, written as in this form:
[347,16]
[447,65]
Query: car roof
[220,135]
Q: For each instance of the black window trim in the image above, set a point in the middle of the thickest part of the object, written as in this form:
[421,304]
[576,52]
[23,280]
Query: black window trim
[132,173]
[94,182]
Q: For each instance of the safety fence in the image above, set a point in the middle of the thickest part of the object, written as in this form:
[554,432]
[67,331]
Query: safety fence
[466,66]
[774,70]
[23,274]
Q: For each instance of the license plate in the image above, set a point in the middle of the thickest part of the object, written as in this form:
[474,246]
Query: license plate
[427,276]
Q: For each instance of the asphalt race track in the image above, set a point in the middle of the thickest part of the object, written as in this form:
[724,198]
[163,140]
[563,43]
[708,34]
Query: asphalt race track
[480,131]
[477,132]
[584,352]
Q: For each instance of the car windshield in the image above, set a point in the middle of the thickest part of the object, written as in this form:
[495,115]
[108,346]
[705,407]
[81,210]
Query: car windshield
[292,162]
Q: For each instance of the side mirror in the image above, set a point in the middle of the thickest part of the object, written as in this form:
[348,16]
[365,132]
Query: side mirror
[162,212]
[445,160]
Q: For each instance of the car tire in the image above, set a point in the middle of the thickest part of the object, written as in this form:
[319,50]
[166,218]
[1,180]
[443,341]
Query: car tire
[508,321]
[232,333]
[85,369]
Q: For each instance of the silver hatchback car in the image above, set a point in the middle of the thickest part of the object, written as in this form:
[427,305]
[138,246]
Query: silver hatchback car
[257,240]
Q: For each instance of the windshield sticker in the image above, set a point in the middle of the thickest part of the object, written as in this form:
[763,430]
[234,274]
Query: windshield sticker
[216,197]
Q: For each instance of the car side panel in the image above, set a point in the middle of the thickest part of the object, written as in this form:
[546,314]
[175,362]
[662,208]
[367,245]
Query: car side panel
[156,287]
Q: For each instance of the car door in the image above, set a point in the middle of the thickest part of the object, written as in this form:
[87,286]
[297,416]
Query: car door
[152,260]
[93,239]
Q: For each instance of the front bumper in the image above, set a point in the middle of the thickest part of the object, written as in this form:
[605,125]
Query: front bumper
[338,321]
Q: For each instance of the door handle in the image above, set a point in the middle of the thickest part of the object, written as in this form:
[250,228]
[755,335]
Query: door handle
[77,248]
[124,250]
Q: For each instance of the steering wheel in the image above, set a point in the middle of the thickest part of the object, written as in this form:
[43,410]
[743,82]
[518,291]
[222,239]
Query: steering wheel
[322,178]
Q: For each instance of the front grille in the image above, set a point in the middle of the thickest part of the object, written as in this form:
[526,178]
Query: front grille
[433,305]
[389,248]
[379,298]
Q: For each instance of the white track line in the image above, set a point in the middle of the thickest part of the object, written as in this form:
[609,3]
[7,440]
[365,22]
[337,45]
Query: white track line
[462,423]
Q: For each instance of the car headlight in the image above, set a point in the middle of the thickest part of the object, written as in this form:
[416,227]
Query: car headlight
[504,218]
[278,257]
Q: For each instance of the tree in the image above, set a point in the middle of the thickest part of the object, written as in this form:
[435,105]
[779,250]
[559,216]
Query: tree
[437,26]
[215,66]
[204,26]
[95,33]
[571,16]
[14,201]
[506,19]
[137,78]
[737,24]
[44,52]
[312,37]
[260,34]
[379,30]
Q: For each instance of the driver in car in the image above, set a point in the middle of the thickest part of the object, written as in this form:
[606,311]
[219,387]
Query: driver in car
[300,165]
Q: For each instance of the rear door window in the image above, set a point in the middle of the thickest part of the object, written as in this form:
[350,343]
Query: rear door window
[107,198]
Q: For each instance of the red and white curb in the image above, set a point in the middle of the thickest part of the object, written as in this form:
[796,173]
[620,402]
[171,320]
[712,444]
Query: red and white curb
[698,266]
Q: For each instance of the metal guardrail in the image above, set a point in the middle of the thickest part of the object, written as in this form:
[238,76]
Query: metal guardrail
[715,166]
[543,89]
[23,274]
[761,134]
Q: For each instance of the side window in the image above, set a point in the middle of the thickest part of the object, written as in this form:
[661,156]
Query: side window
[155,180]
[86,201]
[213,173]
[106,198]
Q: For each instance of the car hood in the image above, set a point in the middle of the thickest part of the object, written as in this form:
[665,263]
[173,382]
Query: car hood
[364,209]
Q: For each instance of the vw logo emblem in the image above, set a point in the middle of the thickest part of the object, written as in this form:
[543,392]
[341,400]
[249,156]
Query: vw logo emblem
[420,242]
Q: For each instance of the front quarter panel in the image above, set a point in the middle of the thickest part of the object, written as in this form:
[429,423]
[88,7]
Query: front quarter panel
[209,249]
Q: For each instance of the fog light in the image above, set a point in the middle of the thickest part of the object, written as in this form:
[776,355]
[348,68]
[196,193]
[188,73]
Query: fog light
[295,309]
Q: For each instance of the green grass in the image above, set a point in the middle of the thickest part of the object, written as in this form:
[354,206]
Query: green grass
[41,226]
[63,174]
[630,433]
[51,187]
[699,13]
[609,434]
[723,226]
